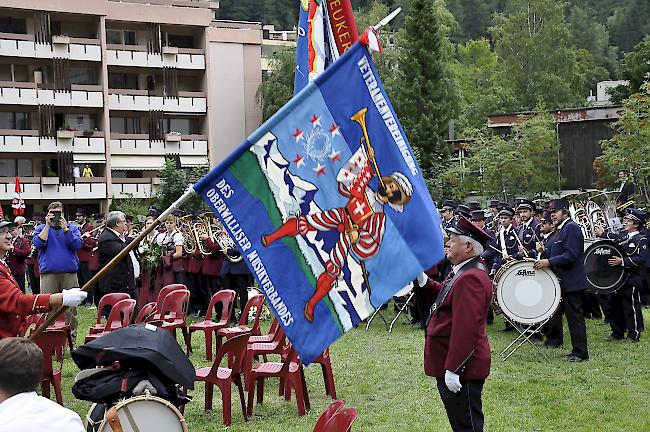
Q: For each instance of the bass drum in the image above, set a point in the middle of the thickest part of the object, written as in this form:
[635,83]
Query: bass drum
[526,295]
[601,277]
[137,414]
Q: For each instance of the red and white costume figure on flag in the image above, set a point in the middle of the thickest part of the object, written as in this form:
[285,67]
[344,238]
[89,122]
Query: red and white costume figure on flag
[360,223]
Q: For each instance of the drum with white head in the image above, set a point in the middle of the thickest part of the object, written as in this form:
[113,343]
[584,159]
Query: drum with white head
[141,414]
[526,295]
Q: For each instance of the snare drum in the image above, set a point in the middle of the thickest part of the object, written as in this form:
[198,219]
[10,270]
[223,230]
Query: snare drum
[526,295]
[601,277]
[142,414]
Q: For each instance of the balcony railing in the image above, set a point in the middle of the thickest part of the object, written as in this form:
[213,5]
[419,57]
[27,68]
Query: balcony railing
[136,55]
[29,93]
[134,187]
[21,45]
[29,141]
[139,144]
[35,188]
[145,100]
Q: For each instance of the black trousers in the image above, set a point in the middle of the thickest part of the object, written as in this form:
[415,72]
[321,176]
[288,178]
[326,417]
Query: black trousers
[572,308]
[199,293]
[592,306]
[20,280]
[34,282]
[239,284]
[626,313]
[465,408]
[83,276]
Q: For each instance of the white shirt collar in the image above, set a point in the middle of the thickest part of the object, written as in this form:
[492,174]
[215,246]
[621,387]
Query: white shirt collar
[559,227]
[460,265]
[632,234]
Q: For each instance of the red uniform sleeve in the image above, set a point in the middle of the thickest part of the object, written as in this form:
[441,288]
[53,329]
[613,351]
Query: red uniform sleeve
[14,302]
[469,311]
[211,246]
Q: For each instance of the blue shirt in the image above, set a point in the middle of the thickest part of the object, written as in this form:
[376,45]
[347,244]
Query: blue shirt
[59,253]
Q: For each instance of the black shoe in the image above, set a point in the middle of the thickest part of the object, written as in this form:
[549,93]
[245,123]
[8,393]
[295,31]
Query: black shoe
[576,359]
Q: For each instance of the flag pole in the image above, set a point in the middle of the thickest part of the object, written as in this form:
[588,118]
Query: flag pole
[119,257]
[388,19]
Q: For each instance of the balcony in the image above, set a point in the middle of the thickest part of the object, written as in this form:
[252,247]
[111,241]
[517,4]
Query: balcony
[29,93]
[40,188]
[136,55]
[139,144]
[21,45]
[145,100]
[28,141]
[134,187]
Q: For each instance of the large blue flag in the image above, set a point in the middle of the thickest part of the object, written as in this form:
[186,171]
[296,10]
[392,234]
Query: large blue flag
[327,205]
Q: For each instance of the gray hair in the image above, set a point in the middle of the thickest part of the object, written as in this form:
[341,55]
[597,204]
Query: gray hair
[19,220]
[478,247]
[114,218]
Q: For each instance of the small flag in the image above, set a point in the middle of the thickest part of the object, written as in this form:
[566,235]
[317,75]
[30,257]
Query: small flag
[18,203]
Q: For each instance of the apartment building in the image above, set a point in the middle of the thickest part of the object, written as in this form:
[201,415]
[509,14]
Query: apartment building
[118,87]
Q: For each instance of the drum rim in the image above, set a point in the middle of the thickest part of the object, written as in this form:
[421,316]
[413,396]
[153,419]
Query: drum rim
[622,278]
[139,398]
[508,311]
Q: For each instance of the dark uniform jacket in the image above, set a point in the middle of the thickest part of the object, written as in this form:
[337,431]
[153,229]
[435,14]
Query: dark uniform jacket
[636,251]
[490,254]
[456,331]
[528,236]
[18,255]
[14,304]
[120,278]
[89,243]
[511,246]
[565,251]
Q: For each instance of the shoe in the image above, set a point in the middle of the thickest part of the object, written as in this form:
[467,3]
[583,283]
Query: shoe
[576,359]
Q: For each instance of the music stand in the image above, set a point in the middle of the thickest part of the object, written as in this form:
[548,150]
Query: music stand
[408,289]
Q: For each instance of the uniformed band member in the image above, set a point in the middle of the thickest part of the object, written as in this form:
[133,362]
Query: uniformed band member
[13,303]
[447,213]
[490,252]
[528,231]
[564,255]
[457,351]
[506,238]
[492,220]
[625,312]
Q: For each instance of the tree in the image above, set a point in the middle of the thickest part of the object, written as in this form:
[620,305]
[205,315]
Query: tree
[425,99]
[589,34]
[174,182]
[277,85]
[537,62]
[131,206]
[630,146]
[525,162]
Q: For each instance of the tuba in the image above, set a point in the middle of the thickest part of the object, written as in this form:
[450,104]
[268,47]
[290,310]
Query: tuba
[225,242]
[202,227]
[580,216]
[185,228]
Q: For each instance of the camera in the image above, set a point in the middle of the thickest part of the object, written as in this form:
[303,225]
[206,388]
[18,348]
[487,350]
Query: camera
[57,216]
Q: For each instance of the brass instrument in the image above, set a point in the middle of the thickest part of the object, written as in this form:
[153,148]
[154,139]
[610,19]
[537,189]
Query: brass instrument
[580,216]
[185,229]
[225,242]
[360,117]
[202,227]
[623,207]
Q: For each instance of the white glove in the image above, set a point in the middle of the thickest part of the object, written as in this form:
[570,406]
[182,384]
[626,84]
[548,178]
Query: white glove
[73,297]
[422,279]
[452,381]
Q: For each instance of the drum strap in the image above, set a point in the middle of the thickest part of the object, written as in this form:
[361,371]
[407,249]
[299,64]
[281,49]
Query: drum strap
[447,286]
[114,420]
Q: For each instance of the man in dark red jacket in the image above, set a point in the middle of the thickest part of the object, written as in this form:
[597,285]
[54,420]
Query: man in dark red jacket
[16,258]
[456,350]
[89,243]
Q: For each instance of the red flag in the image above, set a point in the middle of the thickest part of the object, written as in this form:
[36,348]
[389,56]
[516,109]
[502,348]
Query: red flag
[18,204]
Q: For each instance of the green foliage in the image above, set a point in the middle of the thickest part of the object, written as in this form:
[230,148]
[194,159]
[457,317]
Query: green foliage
[637,65]
[630,146]
[277,86]
[425,100]
[174,182]
[523,163]
[131,206]
[538,64]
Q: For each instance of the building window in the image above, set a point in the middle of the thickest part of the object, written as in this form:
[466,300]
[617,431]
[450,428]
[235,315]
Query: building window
[184,126]
[13,25]
[122,81]
[82,76]
[80,122]
[14,120]
[120,37]
[125,125]
[16,167]
[179,41]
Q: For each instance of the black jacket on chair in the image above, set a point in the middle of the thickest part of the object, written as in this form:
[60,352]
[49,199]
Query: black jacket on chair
[120,278]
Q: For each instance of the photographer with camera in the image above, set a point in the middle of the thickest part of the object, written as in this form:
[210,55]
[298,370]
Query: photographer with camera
[57,244]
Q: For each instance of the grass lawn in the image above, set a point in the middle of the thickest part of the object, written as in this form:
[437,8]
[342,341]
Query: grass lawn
[381,375]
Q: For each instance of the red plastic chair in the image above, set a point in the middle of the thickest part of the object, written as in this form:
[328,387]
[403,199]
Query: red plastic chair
[121,316]
[107,300]
[224,377]
[290,373]
[61,325]
[51,342]
[28,322]
[163,293]
[275,346]
[328,373]
[173,314]
[267,337]
[341,421]
[326,415]
[242,328]
[208,326]
[146,313]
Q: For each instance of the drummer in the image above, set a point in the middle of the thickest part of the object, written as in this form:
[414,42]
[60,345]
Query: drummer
[564,255]
[528,231]
[13,303]
[625,304]
[506,238]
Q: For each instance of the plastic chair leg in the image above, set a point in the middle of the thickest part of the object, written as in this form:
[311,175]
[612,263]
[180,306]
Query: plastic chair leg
[300,399]
[251,396]
[226,403]
[208,344]
[260,391]
[209,390]
[240,388]
[56,383]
